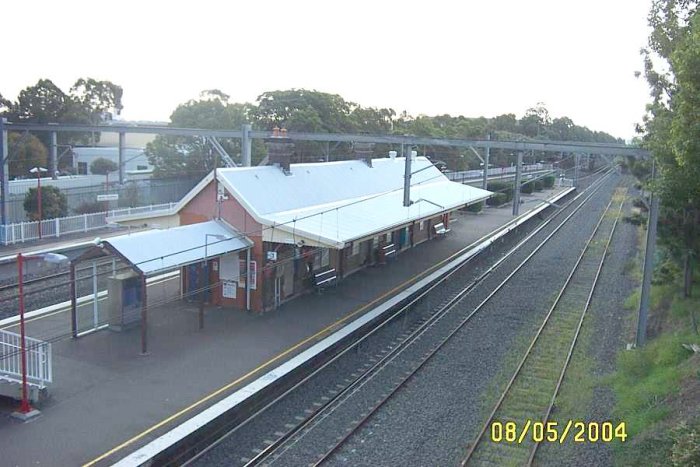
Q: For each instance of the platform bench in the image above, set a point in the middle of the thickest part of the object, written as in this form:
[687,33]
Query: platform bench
[387,252]
[440,229]
[325,279]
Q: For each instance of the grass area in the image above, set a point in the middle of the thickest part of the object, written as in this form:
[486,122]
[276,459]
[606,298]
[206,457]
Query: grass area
[657,387]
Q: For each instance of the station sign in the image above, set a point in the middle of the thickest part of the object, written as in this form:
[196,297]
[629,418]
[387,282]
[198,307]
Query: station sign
[111,197]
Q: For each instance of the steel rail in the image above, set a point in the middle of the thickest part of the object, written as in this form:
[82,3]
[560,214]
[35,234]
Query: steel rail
[389,319]
[479,438]
[362,379]
[578,331]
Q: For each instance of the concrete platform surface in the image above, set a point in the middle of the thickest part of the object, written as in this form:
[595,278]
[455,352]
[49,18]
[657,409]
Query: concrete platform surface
[107,400]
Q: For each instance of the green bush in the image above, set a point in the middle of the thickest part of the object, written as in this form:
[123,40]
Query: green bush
[90,207]
[504,188]
[477,207]
[497,199]
[548,181]
[53,203]
[527,188]
[686,445]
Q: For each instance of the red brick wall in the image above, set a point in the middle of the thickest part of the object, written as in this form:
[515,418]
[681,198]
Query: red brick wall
[203,207]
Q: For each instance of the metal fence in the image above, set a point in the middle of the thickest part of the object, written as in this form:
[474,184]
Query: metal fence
[26,231]
[132,193]
[38,359]
[463,175]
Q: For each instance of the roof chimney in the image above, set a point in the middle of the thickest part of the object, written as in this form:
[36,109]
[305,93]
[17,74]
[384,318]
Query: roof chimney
[363,152]
[280,149]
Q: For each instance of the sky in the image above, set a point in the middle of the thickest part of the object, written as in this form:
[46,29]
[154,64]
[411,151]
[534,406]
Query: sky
[468,57]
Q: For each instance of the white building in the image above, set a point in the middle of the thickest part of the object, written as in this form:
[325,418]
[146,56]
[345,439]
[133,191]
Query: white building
[135,160]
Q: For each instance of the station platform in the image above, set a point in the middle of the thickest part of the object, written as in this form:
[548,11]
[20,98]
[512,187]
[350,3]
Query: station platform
[107,400]
[63,243]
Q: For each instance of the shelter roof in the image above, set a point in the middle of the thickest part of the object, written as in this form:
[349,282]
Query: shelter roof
[156,251]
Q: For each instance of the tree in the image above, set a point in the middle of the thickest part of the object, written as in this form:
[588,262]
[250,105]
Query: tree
[103,166]
[176,155]
[4,105]
[88,101]
[25,151]
[53,203]
[99,100]
[671,126]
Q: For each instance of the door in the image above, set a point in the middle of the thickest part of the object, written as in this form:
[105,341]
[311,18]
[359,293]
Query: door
[278,291]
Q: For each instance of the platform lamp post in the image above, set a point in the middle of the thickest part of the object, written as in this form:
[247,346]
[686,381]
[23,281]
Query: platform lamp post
[205,272]
[26,411]
[38,171]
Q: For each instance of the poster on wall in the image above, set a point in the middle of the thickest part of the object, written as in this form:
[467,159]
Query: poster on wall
[229,289]
[229,269]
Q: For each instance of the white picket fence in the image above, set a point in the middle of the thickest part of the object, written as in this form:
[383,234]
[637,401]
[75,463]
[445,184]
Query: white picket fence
[27,231]
[38,359]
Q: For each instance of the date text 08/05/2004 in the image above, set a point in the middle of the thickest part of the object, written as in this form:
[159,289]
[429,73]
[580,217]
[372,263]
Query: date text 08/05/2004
[554,432]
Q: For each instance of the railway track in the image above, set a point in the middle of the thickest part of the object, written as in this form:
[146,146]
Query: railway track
[401,360]
[530,394]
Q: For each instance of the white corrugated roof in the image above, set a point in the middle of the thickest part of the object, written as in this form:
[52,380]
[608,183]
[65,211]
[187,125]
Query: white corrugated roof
[156,251]
[336,202]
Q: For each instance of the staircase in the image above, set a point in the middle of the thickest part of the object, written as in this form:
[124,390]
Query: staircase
[39,372]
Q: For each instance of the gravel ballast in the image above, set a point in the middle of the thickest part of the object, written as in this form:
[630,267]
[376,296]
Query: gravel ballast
[430,421]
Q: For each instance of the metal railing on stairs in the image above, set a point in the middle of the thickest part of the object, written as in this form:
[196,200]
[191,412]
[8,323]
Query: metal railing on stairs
[38,359]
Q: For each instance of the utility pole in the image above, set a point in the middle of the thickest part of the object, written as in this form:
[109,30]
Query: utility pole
[648,265]
[516,188]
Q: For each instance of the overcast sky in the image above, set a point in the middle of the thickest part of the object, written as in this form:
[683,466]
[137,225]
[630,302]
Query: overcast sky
[474,58]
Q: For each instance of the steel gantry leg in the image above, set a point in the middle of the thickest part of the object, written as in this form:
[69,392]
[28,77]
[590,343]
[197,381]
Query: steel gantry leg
[648,266]
[516,187]
[122,148]
[4,180]
[53,167]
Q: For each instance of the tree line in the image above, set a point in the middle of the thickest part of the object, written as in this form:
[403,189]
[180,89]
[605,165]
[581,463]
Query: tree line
[671,128]
[88,101]
[301,110]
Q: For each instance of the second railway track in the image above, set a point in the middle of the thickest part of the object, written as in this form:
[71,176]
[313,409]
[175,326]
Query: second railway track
[344,410]
[530,394]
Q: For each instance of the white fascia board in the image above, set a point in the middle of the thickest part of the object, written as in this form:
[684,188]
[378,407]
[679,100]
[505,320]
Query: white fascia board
[291,232]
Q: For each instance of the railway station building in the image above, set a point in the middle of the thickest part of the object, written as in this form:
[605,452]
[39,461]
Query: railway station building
[311,224]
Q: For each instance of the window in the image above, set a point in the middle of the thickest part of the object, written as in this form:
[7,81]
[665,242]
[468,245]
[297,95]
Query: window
[355,248]
[322,258]
[375,242]
[422,225]
[82,168]
[141,167]
[388,237]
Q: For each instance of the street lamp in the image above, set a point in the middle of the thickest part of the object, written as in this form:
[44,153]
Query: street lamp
[38,170]
[205,271]
[25,410]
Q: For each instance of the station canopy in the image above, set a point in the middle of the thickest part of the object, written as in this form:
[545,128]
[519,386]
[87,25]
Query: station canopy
[158,251]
